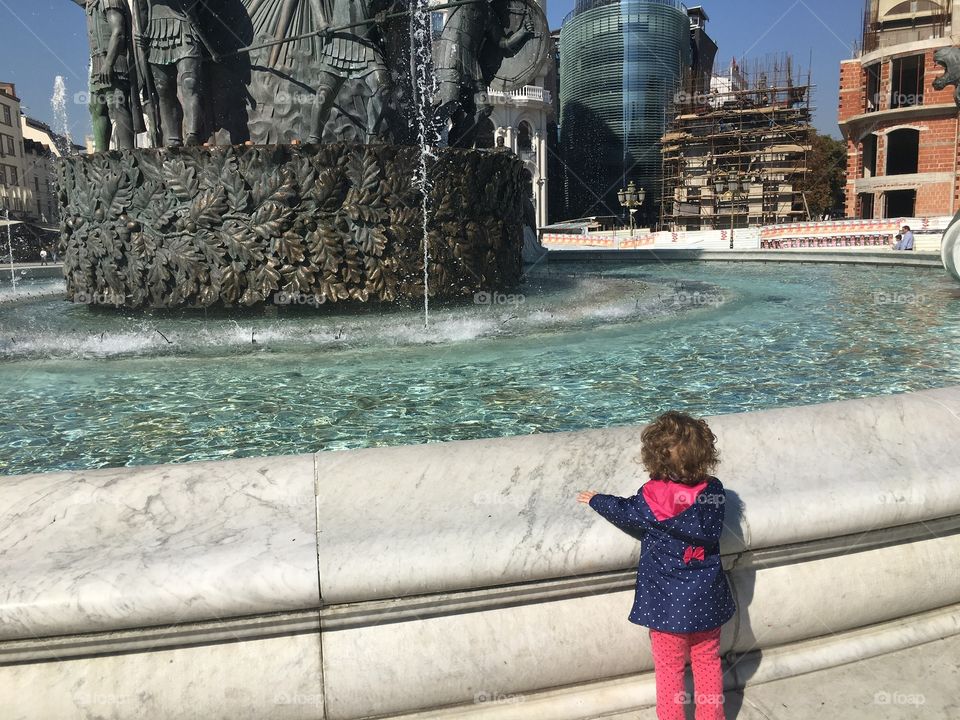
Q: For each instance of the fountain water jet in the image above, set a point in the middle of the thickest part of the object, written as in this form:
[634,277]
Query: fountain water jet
[423,86]
[60,115]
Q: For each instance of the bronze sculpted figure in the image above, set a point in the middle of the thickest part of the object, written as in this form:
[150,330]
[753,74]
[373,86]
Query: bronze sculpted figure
[174,46]
[949,59]
[472,44]
[354,52]
[114,106]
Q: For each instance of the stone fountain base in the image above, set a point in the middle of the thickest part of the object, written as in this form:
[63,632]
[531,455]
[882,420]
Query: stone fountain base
[287,224]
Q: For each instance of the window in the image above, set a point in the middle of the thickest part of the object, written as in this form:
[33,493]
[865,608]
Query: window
[3,175]
[873,88]
[524,139]
[6,118]
[870,156]
[36,183]
[11,146]
[866,206]
[437,21]
[903,152]
[906,82]
[900,203]
[891,7]
[14,179]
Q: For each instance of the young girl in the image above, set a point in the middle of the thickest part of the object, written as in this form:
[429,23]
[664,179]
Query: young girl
[682,593]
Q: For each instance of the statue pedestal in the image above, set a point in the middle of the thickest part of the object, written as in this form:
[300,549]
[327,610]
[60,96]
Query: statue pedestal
[287,224]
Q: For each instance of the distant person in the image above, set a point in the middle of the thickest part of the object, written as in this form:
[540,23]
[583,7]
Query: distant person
[904,239]
[682,593]
[43,256]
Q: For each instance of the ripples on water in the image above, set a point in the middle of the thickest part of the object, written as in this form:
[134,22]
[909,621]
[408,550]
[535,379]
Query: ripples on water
[86,388]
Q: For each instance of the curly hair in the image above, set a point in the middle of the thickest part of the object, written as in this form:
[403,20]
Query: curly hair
[679,447]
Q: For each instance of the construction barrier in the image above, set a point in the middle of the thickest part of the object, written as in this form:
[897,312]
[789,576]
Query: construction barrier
[821,234]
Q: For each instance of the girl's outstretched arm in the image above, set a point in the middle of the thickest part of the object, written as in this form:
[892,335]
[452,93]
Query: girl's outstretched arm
[624,513]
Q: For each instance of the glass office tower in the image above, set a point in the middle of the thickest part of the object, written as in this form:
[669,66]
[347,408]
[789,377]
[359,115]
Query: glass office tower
[622,62]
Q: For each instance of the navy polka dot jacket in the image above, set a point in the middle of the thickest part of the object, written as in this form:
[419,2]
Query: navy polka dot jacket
[681,586]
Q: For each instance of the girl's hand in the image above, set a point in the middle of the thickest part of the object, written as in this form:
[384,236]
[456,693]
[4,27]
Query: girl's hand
[585,495]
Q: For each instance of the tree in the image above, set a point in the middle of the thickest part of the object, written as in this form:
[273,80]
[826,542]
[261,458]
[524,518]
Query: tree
[825,183]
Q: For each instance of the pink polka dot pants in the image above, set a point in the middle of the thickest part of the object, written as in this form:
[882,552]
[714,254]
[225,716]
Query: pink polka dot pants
[670,653]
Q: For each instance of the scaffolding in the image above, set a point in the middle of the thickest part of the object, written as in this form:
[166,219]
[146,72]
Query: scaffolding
[752,127]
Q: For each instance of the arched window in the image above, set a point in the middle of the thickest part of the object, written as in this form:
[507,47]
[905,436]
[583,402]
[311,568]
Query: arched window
[910,6]
[524,137]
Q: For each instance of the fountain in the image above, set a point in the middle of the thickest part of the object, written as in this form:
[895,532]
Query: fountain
[235,210]
[219,528]
[60,116]
[13,275]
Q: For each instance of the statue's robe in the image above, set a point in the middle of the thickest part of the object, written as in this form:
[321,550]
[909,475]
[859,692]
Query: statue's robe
[271,91]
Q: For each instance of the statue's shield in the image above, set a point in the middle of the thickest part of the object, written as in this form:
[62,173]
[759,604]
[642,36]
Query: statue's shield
[512,72]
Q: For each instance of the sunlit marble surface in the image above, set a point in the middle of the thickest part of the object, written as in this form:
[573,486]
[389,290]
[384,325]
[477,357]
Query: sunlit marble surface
[410,520]
[135,547]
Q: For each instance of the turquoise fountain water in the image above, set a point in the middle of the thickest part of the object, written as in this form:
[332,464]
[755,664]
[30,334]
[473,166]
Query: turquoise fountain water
[580,348]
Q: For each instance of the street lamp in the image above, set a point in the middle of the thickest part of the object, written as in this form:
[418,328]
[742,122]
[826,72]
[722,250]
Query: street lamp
[632,198]
[738,186]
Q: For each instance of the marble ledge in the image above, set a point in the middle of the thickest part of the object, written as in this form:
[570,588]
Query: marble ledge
[444,517]
[102,550]
[86,552]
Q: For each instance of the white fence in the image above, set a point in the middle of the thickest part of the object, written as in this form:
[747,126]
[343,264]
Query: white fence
[825,234]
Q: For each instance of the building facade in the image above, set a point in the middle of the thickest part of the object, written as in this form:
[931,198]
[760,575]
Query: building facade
[15,194]
[622,63]
[522,119]
[28,153]
[42,147]
[901,133]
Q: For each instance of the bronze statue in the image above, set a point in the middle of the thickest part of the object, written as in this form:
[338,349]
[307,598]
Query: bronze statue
[354,52]
[114,107]
[285,69]
[949,59]
[472,45]
[175,48]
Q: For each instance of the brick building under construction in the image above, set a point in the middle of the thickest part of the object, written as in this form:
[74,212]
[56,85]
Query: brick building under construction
[749,138]
[901,133]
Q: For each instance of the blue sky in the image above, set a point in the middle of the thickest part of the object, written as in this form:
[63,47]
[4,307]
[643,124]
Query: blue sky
[40,39]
